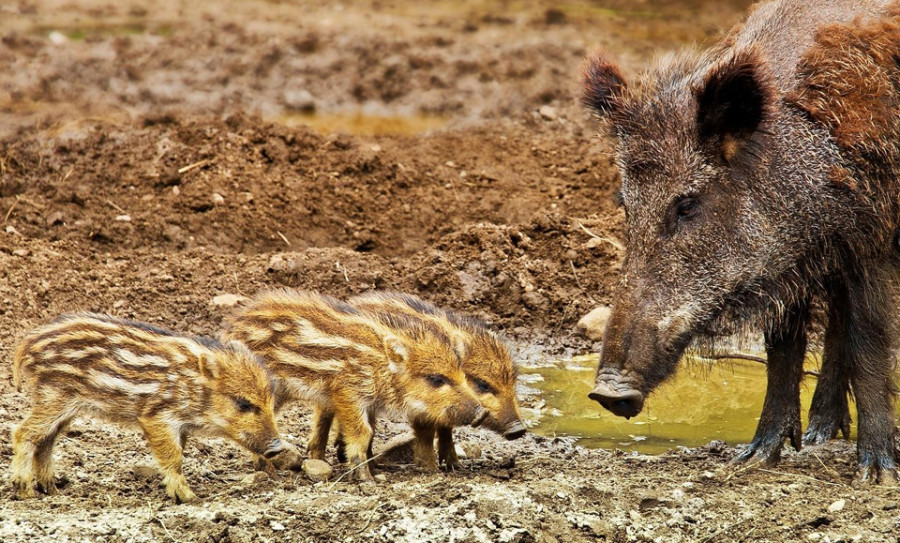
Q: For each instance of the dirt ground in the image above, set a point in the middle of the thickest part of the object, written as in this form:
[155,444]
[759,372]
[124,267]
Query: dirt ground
[152,159]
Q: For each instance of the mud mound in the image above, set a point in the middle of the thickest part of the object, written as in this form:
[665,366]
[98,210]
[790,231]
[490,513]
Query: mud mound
[241,185]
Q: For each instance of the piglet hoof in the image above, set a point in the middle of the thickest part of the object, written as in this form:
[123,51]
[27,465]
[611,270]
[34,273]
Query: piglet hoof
[49,488]
[427,464]
[24,490]
[183,495]
[449,459]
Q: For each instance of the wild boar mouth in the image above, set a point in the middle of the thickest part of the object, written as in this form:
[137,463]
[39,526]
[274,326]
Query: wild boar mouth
[515,430]
[617,396]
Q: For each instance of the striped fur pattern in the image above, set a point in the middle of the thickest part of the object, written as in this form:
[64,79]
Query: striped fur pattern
[348,363]
[486,362]
[132,373]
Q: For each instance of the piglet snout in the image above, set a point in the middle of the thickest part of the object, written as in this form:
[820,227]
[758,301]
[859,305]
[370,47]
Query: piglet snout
[274,449]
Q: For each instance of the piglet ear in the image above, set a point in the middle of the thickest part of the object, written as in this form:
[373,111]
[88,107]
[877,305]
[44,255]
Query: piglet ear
[397,353]
[208,366]
[735,98]
[603,85]
[460,346]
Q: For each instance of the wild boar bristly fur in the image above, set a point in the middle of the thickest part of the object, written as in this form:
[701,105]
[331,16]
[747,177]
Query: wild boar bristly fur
[133,373]
[758,178]
[355,366]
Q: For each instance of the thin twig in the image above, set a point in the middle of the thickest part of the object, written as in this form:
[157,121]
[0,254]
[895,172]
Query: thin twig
[800,476]
[198,164]
[750,357]
[814,455]
[351,470]
[168,533]
[8,213]
[111,203]
[284,238]
[577,281]
[612,242]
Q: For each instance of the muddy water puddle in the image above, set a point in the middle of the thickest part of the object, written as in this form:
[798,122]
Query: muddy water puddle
[360,124]
[701,403]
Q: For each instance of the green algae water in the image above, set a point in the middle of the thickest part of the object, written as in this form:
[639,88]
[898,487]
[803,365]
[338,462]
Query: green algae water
[703,402]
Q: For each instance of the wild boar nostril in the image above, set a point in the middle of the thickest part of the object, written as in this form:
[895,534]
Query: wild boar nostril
[624,403]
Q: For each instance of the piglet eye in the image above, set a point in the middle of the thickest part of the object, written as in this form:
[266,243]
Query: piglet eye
[437,380]
[244,405]
[482,386]
[687,208]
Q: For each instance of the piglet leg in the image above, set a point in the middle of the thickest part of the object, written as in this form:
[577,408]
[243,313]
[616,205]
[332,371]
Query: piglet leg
[447,449]
[164,443]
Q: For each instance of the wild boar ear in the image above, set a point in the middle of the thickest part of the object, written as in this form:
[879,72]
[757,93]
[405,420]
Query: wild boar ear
[459,346]
[736,96]
[208,366]
[602,85]
[397,352]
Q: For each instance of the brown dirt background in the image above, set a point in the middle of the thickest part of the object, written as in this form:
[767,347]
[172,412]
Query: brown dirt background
[152,158]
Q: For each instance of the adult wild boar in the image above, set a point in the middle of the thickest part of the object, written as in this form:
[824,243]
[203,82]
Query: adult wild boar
[757,176]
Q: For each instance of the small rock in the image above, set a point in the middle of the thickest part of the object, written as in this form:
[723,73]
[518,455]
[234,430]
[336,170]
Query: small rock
[21,252]
[144,473]
[228,300]
[837,506]
[57,38]
[375,148]
[815,536]
[548,112]
[380,478]
[635,516]
[290,458]
[593,324]
[317,470]
[119,303]
[123,218]
[460,452]
[10,229]
[217,199]
[276,526]
[300,100]
[176,190]
[708,475]
[471,450]
[254,478]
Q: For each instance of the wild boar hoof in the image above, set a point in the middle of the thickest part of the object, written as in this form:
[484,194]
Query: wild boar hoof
[48,488]
[877,473]
[822,428]
[24,490]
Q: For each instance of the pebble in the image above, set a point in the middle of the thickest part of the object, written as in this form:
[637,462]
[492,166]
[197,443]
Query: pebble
[470,450]
[218,199]
[380,477]
[144,473]
[548,112]
[176,190]
[317,470]
[254,478]
[21,252]
[123,218]
[10,229]
[837,506]
[300,100]
[815,536]
[57,38]
[228,300]
[593,324]
[276,526]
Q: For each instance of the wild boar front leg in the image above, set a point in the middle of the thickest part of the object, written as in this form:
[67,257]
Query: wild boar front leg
[167,450]
[829,412]
[357,436]
[780,418]
[866,320]
[447,449]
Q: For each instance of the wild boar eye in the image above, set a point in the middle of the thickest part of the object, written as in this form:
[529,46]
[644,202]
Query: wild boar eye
[686,209]
[244,405]
[482,386]
[437,380]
